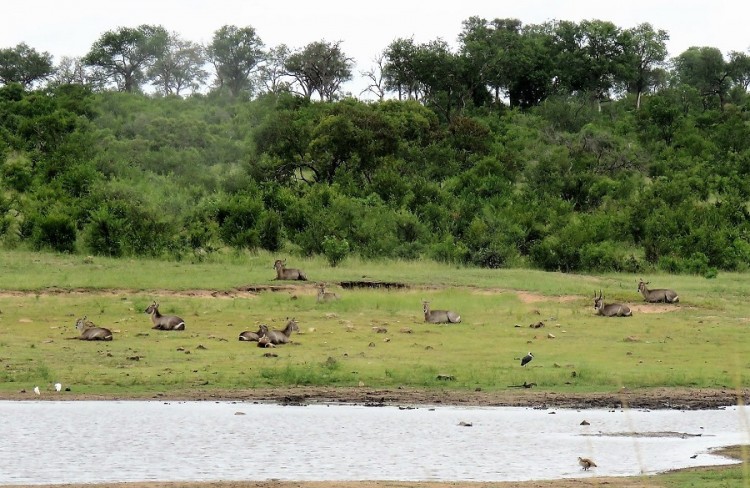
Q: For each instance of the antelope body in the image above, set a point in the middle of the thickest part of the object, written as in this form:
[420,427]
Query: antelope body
[439,316]
[658,295]
[284,273]
[586,463]
[164,322]
[90,332]
[610,309]
[249,335]
[280,336]
[325,296]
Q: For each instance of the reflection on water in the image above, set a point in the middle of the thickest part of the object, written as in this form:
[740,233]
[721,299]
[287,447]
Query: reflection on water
[88,442]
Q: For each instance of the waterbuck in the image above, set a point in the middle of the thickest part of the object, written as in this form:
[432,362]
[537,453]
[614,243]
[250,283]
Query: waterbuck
[164,322]
[439,316]
[656,296]
[249,335]
[325,296]
[284,273]
[90,332]
[610,309]
[280,336]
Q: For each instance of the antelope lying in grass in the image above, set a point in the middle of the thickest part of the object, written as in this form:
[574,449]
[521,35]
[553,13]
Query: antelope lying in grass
[280,336]
[90,332]
[164,322]
[439,316]
[610,309]
[284,273]
[658,295]
[325,296]
[251,336]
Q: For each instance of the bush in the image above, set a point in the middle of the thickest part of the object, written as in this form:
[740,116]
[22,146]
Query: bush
[335,249]
[494,256]
[101,236]
[450,251]
[57,232]
[238,219]
[270,231]
[603,257]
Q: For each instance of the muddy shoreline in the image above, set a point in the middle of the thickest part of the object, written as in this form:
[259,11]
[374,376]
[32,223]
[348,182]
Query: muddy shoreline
[655,398]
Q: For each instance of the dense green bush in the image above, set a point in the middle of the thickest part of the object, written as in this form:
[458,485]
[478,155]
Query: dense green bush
[569,184]
[56,232]
[102,234]
[335,249]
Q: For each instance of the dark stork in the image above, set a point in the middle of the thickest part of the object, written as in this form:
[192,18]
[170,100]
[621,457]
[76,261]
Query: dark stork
[526,359]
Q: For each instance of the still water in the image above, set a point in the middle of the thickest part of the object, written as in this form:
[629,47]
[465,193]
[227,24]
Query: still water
[98,442]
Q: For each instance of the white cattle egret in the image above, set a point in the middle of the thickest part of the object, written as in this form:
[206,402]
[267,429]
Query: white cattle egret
[36,390]
[58,386]
[525,360]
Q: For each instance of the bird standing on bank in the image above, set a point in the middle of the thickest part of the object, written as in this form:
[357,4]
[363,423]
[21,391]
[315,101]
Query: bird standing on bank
[586,463]
[526,359]
[36,390]
[58,386]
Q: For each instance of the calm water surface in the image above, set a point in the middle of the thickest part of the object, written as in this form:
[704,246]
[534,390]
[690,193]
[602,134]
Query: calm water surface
[96,442]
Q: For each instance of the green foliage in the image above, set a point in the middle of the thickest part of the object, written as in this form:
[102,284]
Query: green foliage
[271,231]
[55,231]
[239,220]
[335,249]
[562,181]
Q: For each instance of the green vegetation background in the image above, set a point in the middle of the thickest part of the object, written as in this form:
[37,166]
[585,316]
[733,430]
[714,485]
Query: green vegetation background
[568,185]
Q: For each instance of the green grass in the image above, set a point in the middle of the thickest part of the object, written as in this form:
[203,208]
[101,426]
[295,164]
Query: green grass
[699,343]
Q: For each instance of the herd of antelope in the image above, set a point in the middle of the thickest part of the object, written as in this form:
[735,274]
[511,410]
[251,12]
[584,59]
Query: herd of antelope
[660,295]
[266,337]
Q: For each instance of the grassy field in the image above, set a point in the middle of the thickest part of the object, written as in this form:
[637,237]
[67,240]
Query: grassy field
[701,342]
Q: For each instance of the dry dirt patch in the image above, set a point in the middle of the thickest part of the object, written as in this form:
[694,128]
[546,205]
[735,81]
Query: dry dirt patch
[528,297]
[653,308]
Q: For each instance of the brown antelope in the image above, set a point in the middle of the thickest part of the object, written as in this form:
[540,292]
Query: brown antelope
[610,309]
[659,295]
[439,316]
[586,463]
[164,322]
[249,335]
[280,336]
[284,273]
[325,296]
[90,332]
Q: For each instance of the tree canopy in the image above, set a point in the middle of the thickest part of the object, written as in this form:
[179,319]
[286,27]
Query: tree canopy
[560,146]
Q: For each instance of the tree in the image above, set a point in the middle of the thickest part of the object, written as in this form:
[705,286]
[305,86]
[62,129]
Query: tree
[376,78]
[739,68]
[441,76]
[73,71]
[589,57]
[235,53]
[123,56]
[399,68]
[25,65]
[508,59]
[179,67]
[320,67]
[704,69]
[646,51]
[272,74]
[352,137]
